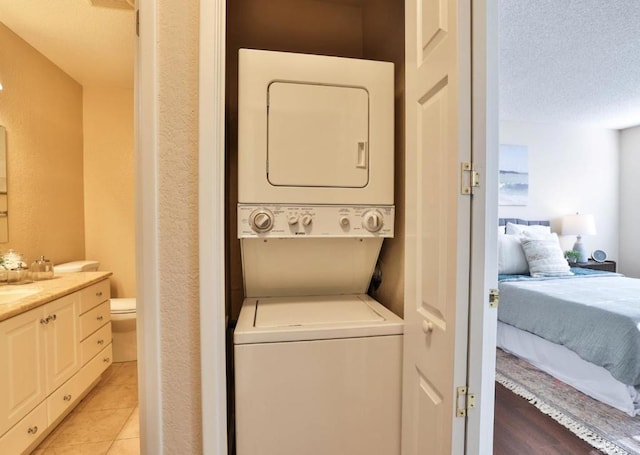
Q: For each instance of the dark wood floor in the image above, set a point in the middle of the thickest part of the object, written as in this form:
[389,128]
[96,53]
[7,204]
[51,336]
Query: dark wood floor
[521,429]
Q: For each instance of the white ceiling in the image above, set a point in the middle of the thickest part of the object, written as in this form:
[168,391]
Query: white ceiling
[94,45]
[566,61]
[570,61]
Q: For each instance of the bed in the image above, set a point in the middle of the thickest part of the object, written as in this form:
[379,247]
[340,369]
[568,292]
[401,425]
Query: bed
[581,326]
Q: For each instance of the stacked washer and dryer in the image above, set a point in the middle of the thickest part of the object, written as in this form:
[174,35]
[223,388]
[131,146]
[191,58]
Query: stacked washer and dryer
[317,360]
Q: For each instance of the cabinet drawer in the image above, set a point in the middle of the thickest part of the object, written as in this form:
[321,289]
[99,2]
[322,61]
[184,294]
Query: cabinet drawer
[95,343]
[94,295]
[93,319]
[95,367]
[25,432]
[60,400]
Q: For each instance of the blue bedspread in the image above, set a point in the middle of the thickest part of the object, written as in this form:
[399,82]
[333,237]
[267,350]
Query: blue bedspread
[596,315]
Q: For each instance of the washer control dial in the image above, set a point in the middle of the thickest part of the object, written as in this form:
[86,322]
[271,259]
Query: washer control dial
[293,220]
[261,220]
[372,220]
[306,220]
[344,221]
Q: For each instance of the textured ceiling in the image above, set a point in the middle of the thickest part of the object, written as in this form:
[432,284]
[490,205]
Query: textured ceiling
[570,61]
[567,61]
[94,45]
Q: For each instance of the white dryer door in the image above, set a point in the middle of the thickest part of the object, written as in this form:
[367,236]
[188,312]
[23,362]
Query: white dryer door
[318,135]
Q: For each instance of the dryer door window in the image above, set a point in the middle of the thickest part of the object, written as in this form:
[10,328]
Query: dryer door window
[318,135]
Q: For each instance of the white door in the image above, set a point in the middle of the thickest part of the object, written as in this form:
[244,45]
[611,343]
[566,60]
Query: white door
[438,224]
[317,135]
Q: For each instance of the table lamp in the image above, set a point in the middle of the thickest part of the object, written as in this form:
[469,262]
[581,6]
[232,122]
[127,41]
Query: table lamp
[579,225]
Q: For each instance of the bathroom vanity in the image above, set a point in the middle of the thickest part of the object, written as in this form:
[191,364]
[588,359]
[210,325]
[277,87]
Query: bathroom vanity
[55,342]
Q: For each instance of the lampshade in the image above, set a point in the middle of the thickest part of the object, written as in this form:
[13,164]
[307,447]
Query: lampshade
[578,225]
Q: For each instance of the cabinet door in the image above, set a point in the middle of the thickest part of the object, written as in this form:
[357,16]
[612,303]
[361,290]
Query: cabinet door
[22,376]
[62,340]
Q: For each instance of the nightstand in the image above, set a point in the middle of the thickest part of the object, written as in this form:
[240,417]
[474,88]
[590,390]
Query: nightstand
[606,266]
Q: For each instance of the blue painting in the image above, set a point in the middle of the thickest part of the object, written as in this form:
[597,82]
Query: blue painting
[514,175]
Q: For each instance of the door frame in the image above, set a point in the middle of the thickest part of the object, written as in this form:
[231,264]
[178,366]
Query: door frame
[484,222]
[211,213]
[212,243]
[147,219]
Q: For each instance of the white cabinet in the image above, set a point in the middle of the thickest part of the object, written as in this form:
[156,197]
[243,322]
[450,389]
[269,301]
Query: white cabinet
[49,357]
[39,351]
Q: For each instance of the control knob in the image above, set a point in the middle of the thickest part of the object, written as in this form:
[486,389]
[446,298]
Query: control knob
[372,220]
[261,220]
[306,220]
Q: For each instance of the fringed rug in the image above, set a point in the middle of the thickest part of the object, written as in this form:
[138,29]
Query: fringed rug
[605,428]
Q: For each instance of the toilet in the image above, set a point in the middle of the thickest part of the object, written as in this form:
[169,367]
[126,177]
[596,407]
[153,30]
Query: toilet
[123,315]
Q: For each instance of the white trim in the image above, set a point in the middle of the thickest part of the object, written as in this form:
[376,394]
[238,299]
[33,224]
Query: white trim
[484,272]
[211,193]
[147,267]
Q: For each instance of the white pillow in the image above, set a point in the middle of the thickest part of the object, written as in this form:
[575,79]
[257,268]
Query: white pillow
[519,229]
[511,258]
[545,257]
[501,229]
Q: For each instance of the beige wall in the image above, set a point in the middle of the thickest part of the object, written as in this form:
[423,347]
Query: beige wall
[41,107]
[109,212]
[177,157]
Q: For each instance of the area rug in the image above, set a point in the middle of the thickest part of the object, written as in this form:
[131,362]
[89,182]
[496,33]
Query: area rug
[605,428]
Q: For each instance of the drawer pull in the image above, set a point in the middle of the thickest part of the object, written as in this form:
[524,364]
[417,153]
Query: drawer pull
[101,342]
[100,318]
[67,397]
[32,430]
[106,360]
[48,319]
[99,294]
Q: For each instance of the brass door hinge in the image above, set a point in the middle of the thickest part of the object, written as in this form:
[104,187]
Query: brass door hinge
[494,298]
[469,178]
[468,400]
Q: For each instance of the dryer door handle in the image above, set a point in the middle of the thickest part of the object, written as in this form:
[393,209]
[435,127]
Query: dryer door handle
[362,157]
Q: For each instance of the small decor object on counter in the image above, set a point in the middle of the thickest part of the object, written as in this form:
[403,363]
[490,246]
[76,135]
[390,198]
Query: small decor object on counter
[17,271]
[599,256]
[12,260]
[42,269]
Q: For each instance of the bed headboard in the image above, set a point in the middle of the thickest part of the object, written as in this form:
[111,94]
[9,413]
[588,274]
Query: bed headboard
[504,221]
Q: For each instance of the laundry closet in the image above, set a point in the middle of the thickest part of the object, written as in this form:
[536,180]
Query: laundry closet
[354,29]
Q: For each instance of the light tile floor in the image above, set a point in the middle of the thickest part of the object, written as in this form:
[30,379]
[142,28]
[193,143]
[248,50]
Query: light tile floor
[105,422]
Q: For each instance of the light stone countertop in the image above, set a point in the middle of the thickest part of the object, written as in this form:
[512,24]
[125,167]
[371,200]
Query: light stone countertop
[60,285]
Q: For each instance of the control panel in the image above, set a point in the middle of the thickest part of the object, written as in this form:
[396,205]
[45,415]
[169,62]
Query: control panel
[289,221]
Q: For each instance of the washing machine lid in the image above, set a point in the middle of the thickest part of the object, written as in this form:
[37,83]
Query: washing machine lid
[292,312]
[276,319]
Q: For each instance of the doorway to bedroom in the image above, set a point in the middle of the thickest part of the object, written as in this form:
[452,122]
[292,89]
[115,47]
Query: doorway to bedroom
[568,124]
